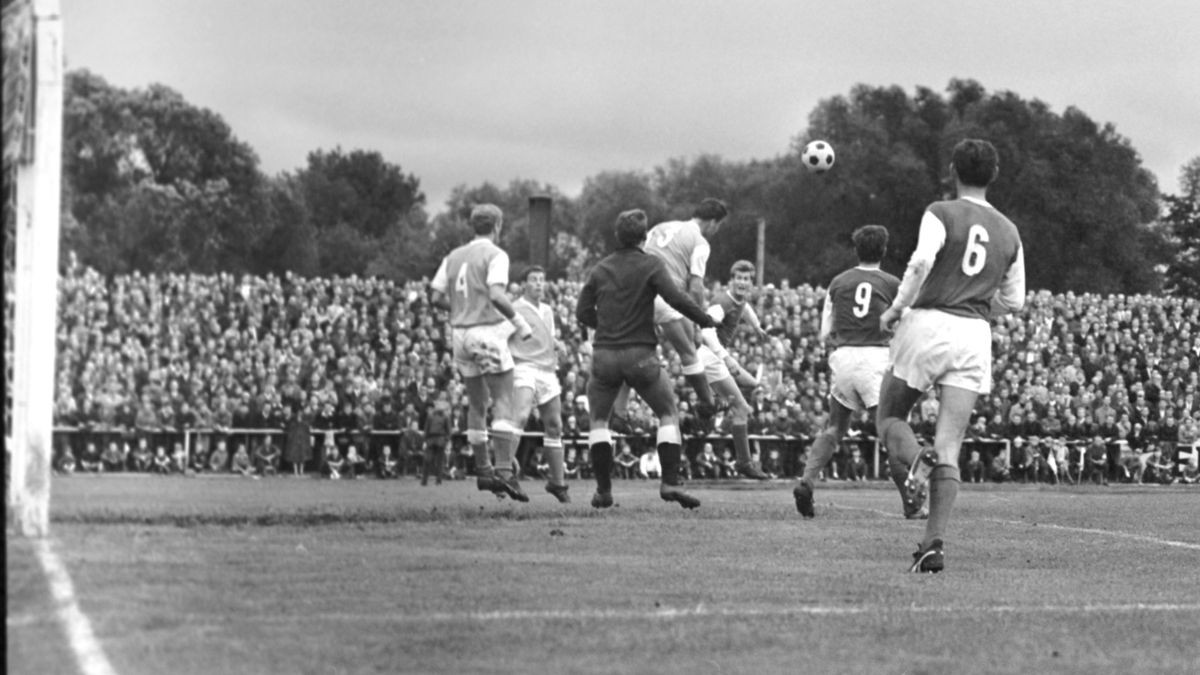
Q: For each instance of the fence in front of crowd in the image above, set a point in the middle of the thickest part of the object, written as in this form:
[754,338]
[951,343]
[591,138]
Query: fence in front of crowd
[788,450]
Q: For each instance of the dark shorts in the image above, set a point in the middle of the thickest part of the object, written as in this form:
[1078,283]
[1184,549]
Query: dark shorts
[637,367]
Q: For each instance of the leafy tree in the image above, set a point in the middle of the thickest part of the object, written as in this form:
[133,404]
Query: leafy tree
[359,189]
[682,184]
[606,195]
[1074,188]
[152,182]
[291,242]
[1182,223]
[513,201]
[367,214]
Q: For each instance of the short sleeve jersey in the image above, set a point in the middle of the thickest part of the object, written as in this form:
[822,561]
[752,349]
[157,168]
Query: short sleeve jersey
[859,296]
[538,350]
[681,245]
[727,312]
[981,244]
[465,276]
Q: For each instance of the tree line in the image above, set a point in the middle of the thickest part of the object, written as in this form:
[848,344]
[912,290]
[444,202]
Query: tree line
[153,183]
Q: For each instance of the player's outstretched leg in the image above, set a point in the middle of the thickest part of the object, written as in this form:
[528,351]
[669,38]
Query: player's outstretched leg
[727,390]
[896,400]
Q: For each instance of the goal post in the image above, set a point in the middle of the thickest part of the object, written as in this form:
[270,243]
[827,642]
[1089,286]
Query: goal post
[35,275]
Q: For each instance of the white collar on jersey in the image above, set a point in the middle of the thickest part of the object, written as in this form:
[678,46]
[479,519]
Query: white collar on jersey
[977,200]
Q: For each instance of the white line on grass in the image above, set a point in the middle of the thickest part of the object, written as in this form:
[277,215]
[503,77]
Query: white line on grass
[1111,533]
[88,652]
[701,611]
[1088,530]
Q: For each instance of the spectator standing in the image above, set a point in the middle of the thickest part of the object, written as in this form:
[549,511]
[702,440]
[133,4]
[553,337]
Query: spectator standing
[437,434]
[412,447]
[297,439]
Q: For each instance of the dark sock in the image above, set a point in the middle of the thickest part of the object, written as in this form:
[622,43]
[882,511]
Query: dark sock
[741,442]
[669,455]
[943,490]
[602,466]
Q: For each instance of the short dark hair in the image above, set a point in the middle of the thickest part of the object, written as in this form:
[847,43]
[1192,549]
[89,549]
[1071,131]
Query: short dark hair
[711,209]
[631,228]
[870,243]
[975,161]
[531,269]
[485,218]
[741,267]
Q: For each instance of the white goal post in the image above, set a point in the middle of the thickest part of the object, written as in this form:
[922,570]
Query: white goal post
[38,188]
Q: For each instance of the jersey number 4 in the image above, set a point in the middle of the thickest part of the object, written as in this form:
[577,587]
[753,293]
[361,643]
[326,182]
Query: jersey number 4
[460,282]
[975,254]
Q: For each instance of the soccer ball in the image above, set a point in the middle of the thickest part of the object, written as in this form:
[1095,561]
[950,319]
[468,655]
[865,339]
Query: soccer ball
[817,156]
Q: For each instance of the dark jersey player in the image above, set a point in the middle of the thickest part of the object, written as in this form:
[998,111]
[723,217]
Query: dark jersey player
[617,301]
[850,325]
[728,379]
[968,261]
[683,247]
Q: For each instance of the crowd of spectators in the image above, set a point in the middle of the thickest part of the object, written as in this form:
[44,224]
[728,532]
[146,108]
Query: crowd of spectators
[146,357]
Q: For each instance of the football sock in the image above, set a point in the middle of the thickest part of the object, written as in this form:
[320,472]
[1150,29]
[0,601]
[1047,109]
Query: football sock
[741,442]
[670,455]
[943,490]
[504,441]
[822,450]
[602,465]
[553,449]
[483,459]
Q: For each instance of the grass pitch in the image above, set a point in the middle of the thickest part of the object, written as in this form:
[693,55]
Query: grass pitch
[285,575]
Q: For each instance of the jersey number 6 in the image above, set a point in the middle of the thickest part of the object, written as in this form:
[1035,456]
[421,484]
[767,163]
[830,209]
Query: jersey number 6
[976,255]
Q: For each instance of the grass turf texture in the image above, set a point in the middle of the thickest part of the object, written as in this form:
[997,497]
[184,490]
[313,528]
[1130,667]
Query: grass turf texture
[305,576]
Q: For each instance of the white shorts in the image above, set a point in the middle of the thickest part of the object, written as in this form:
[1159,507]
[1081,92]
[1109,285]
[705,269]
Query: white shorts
[664,313]
[482,350]
[715,369]
[932,347]
[857,373]
[544,383]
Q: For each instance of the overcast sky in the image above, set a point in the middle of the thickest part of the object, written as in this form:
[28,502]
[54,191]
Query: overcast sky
[466,91]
